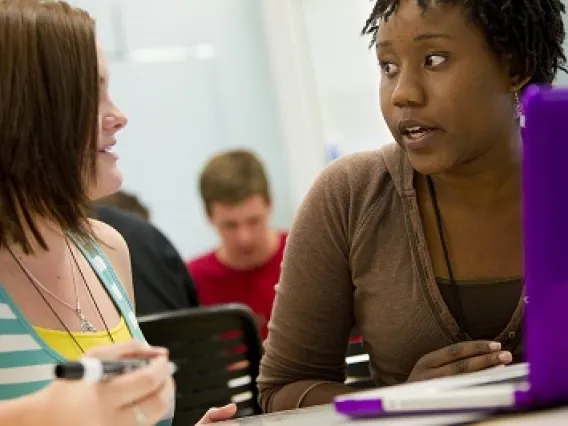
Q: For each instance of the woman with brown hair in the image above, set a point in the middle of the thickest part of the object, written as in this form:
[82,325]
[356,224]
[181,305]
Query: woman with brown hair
[65,280]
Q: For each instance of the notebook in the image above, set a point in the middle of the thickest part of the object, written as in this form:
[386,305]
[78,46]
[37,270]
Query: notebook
[545,224]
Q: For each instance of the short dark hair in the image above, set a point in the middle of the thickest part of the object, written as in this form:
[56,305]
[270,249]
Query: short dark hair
[530,31]
[127,202]
[232,177]
[49,91]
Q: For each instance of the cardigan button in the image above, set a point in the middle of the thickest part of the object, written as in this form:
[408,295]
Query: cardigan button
[512,335]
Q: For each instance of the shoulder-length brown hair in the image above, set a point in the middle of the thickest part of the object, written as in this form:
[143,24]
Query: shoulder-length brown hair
[49,97]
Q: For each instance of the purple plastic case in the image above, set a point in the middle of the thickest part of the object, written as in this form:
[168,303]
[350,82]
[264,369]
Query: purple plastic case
[370,406]
[545,204]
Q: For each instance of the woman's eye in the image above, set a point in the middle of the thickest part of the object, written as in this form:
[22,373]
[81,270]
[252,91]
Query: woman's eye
[387,68]
[434,60]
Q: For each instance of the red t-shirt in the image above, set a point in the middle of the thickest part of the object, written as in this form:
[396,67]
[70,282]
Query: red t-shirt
[217,283]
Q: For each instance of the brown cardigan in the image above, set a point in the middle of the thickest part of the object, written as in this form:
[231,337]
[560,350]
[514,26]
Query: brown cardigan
[357,256]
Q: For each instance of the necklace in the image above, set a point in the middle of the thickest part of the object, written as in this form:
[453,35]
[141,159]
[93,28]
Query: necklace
[71,335]
[453,282]
[454,285]
[85,324]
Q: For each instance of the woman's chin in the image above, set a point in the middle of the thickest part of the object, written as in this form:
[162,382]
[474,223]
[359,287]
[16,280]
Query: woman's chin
[106,186]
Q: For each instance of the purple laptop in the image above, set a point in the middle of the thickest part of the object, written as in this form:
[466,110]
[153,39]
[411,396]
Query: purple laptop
[545,221]
[545,184]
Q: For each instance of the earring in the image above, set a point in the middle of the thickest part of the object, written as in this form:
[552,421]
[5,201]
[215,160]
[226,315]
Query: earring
[519,112]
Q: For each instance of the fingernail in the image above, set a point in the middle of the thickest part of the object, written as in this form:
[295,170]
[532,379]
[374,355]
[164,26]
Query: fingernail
[160,349]
[505,357]
[173,368]
[495,346]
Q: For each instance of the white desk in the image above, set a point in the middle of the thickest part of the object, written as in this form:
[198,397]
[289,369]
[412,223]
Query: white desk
[326,416]
[557,417]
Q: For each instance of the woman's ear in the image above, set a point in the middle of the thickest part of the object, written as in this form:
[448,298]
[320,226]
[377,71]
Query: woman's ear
[514,75]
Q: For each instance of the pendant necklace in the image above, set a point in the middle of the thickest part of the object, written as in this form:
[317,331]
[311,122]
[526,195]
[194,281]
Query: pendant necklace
[85,325]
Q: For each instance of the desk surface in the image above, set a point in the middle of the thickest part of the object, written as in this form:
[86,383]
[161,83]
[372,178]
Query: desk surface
[325,415]
[556,417]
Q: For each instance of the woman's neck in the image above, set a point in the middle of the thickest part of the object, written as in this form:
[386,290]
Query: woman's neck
[493,178]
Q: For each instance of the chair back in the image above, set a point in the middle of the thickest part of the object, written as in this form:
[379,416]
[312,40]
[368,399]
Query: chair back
[217,350]
[357,360]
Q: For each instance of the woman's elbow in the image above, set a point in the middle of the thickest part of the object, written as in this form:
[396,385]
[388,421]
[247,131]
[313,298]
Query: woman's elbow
[296,394]
[266,395]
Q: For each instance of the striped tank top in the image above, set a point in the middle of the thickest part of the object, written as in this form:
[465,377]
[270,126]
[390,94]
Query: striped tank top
[26,360]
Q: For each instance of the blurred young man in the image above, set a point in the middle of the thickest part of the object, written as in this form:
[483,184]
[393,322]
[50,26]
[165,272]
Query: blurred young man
[246,266]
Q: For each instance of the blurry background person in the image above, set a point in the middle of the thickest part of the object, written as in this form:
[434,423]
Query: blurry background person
[160,278]
[127,202]
[246,266]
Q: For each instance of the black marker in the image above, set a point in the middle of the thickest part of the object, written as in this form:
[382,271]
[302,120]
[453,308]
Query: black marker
[94,370]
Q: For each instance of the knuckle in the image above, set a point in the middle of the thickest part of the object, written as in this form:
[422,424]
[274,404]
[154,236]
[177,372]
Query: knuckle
[150,379]
[454,350]
[460,366]
[445,371]
[480,347]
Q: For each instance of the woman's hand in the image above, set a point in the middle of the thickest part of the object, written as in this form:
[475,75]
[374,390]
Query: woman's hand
[139,398]
[465,357]
[218,414]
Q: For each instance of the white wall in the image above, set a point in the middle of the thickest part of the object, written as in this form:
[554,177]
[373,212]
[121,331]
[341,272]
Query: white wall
[346,73]
[194,77]
[562,78]
[297,97]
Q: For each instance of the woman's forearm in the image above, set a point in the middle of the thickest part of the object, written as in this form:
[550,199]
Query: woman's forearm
[304,393]
[324,393]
